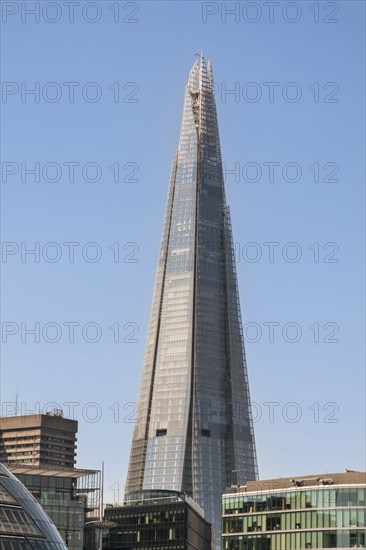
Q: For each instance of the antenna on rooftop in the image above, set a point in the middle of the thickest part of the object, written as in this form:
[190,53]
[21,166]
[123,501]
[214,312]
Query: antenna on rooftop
[16,403]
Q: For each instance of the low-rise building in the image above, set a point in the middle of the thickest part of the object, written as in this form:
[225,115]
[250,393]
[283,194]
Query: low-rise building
[40,450]
[157,519]
[317,511]
[23,523]
[70,497]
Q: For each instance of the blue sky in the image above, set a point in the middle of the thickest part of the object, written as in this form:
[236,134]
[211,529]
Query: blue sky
[319,383]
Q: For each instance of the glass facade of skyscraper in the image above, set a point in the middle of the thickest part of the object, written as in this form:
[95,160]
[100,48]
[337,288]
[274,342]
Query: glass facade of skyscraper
[194,426]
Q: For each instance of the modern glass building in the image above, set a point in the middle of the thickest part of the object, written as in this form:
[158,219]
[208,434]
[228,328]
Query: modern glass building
[194,431]
[70,497]
[320,511]
[23,523]
[160,520]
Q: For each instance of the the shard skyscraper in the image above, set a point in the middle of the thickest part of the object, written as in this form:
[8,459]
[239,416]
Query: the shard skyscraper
[194,431]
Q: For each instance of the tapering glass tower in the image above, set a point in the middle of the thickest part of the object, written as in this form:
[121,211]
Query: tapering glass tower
[194,431]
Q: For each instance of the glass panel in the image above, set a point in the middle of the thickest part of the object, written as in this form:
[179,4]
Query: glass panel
[15,520]
[195,329]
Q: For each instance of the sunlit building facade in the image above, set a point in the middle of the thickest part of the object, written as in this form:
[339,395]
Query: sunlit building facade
[38,439]
[40,450]
[319,511]
[194,430]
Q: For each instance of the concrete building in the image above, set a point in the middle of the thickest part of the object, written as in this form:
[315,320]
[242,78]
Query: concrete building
[38,439]
[40,450]
[156,520]
[317,511]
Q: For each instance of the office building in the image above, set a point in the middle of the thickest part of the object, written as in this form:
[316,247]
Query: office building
[38,439]
[157,520]
[23,523]
[70,497]
[40,450]
[317,511]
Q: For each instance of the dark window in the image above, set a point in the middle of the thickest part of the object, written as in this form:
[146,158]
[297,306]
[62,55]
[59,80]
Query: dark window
[161,432]
[206,433]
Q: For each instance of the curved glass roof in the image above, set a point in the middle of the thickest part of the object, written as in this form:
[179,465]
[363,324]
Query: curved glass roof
[24,525]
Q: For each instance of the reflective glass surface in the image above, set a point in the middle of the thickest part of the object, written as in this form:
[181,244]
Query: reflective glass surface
[194,426]
[158,520]
[58,498]
[22,515]
[290,520]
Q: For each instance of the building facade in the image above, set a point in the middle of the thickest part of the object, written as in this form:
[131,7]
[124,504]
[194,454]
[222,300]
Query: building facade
[40,450]
[194,429]
[23,523]
[70,497]
[160,520]
[319,511]
[38,439]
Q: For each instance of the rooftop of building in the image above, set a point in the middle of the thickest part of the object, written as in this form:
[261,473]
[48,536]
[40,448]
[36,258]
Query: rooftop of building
[54,418]
[155,498]
[50,471]
[349,477]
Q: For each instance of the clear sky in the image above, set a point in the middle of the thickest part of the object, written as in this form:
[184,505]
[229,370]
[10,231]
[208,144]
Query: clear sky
[299,150]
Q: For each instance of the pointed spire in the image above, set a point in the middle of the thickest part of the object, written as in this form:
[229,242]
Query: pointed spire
[202,61]
[195,349]
[203,71]
[210,72]
[193,77]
